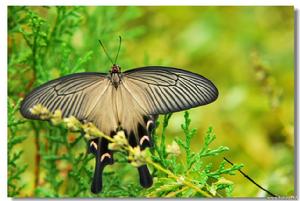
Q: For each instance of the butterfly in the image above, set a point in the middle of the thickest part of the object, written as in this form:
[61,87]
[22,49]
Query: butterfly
[130,101]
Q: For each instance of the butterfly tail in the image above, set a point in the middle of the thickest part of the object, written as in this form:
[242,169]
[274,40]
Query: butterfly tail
[97,179]
[145,140]
[103,157]
[145,176]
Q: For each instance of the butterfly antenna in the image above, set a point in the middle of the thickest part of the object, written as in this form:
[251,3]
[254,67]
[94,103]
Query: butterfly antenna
[118,49]
[105,52]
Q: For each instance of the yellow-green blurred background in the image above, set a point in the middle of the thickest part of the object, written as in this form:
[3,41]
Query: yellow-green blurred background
[248,52]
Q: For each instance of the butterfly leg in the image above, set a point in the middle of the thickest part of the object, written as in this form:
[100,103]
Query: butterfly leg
[103,157]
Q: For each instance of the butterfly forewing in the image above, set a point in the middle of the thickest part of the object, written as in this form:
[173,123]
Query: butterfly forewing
[161,90]
[74,94]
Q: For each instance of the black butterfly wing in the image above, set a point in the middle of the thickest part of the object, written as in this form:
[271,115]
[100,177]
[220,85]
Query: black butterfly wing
[161,90]
[74,95]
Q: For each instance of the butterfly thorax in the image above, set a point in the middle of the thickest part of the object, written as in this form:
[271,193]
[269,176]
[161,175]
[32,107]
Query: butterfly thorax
[115,75]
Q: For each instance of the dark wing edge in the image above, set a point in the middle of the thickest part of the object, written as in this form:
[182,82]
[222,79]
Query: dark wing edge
[171,89]
[56,91]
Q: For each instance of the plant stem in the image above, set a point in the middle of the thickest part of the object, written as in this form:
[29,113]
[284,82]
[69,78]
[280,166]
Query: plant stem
[37,156]
[172,194]
[185,181]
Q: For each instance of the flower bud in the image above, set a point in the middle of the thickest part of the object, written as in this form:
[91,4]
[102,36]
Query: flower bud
[137,157]
[173,149]
[119,141]
[40,111]
[56,118]
[72,123]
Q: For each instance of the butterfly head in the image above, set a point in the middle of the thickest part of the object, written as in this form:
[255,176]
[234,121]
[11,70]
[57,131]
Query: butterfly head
[115,69]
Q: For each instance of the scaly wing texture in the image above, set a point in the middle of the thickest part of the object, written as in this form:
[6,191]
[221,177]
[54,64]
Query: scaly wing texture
[161,90]
[104,114]
[129,112]
[75,95]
